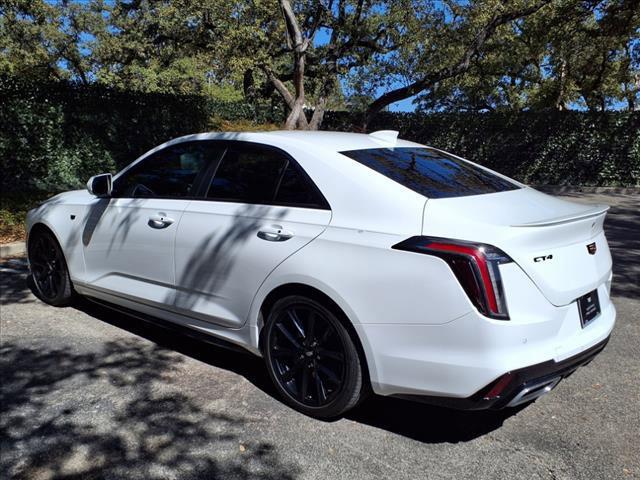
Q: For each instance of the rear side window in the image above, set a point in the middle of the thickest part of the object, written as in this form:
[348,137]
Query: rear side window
[297,189]
[253,174]
[431,173]
[248,175]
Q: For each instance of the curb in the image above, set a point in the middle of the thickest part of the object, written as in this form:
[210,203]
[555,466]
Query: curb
[559,189]
[12,249]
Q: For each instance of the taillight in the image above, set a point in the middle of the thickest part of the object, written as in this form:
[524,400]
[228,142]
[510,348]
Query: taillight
[475,266]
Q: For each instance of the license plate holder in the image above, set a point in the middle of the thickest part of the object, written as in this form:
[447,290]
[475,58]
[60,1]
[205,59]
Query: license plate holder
[589,307]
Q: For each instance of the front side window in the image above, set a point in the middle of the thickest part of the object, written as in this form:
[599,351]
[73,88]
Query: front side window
[431,173]
[168,173]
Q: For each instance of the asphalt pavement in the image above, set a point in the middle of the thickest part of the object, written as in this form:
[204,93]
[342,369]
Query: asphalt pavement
[91,393]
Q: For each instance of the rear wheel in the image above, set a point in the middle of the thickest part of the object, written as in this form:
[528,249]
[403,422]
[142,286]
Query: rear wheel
[49,269]
[311,358]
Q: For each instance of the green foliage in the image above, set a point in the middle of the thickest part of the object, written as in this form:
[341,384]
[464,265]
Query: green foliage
[39,150]
[54,136]
[69,167]
[566,53]
[13,211]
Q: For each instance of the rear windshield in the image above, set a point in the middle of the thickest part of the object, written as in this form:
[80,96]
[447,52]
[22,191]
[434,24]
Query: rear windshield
[431,173]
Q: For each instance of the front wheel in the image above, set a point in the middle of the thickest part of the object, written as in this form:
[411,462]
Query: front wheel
[311,358]
[49,269]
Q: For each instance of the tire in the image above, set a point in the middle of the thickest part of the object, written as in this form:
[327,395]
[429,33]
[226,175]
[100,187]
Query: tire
[48,267]
[311,358]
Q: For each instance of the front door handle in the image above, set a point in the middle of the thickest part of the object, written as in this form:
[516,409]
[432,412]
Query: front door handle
[274,233]
[161,220]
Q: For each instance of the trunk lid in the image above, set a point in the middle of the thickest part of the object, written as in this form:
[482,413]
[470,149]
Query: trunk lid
[549,238]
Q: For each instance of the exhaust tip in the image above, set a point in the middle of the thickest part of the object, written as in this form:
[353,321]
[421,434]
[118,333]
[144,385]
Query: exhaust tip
[534,391]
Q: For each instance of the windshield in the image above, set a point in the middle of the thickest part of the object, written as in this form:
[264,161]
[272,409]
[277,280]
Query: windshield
[431,173]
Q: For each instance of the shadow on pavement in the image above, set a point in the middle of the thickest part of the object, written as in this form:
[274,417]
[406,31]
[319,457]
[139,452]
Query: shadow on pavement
[426,423]
[422,422]
[623,234]
[14,283]
[141,431]
[418,421]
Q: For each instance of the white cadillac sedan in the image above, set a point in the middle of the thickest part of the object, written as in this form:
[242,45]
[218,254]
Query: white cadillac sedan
[350,262]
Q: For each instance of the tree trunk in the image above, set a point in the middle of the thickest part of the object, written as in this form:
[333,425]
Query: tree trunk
[318,115]
[296,117]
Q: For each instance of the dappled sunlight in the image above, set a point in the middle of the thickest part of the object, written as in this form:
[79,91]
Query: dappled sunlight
[122,222]
[157,435]
[215,256]
[15,287]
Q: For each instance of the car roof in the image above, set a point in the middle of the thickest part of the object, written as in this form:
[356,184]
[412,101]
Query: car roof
[325,140]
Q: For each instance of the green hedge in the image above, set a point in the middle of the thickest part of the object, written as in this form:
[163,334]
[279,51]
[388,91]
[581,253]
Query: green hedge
[541,148]
[53,136]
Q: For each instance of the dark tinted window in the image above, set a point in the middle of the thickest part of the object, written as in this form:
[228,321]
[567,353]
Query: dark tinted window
[297,189]
[169,173]
[248,174]
[431,173]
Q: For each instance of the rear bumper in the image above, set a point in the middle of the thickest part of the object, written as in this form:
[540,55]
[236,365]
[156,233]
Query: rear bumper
[524,385]
[456,363]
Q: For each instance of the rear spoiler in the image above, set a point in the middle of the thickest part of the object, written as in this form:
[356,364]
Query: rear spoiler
[588,212]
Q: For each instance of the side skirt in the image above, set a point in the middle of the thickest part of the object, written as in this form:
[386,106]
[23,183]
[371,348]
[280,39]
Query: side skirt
[233,339]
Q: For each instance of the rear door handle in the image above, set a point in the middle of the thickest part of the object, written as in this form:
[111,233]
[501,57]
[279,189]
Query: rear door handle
[274,233]
[160,220]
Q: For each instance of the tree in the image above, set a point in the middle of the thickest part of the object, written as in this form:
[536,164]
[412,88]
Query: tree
[481,55]
[482,20]
[314,55]
[164,46]
[576,54]
[381,41]
[303,69]
[40,39]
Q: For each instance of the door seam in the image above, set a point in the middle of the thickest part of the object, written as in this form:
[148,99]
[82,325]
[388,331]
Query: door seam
[246,320]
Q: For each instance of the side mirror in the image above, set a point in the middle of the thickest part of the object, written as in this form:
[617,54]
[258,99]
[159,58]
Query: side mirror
[100,185]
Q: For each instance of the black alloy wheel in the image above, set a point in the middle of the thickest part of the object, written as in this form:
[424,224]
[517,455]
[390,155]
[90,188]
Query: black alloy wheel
[311,358]
[49,269]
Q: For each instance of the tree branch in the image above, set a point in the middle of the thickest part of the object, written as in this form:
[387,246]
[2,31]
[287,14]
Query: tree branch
[456,69]
[293,29]
[279,86]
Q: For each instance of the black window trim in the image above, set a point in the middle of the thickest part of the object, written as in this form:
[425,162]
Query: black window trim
[203,180]
[211,172]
